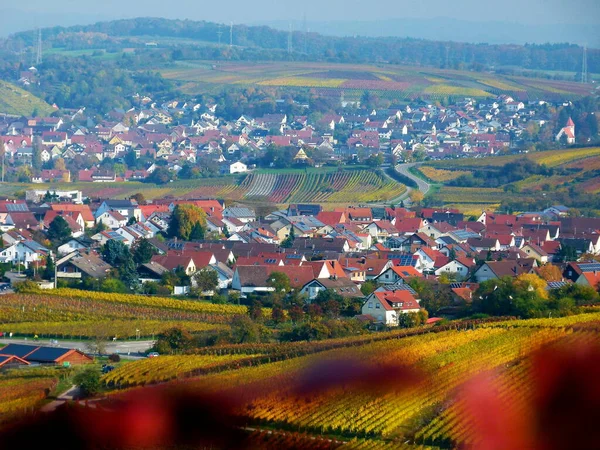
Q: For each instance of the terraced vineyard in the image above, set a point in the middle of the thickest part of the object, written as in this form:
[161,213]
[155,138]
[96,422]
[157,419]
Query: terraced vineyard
[312,186]
[371,402]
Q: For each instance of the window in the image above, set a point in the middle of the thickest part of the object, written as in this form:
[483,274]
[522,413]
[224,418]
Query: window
[377,306]
[370,305]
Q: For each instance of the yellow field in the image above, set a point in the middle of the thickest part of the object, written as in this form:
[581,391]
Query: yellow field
[441,175]
[304,82]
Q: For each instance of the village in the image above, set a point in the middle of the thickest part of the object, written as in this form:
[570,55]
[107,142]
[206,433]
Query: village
[190,138]
[316,250]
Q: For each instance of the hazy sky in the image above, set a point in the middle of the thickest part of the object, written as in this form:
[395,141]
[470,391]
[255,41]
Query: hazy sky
[244,11]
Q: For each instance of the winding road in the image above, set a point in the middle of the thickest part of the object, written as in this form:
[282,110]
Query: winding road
[404,169]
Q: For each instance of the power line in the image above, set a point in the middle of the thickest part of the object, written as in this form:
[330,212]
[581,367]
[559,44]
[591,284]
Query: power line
[584,66]
[219,33]
[289,45]
[38,56]
[231,34]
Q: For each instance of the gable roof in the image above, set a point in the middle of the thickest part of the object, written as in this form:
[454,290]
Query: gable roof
[397,300]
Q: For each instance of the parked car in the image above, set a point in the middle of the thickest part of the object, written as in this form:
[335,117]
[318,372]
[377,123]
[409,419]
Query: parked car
[153,354]
[106,368]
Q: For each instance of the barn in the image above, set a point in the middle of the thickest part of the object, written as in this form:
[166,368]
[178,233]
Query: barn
[46,355]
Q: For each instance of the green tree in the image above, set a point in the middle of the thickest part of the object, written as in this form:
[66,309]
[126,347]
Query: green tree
[110,284]
[160,175]
[207,280]
[197,233]
[244,330]
[289,240]
[143,251]
[58,231]
[49,269]
[88,382]
[279,281]
[117,254]
[174,340]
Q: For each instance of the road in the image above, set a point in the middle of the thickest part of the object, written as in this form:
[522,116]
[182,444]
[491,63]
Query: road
[133,348]
[403,169]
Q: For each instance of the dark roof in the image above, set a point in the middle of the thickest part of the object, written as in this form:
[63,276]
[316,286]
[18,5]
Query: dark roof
[47,354]
[35,353]
[120,203]
[304,210]
[19,350]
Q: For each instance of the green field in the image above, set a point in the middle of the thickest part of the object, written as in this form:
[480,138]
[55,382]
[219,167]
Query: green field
[388,81]
[18,102]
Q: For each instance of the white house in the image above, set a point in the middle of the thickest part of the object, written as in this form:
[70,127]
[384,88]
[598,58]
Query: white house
[386,307]
[112,219]
[25,252]
[73,245]
[456,267]
[238,167]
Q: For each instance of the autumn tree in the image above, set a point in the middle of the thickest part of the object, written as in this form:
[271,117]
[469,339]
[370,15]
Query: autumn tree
[183,220]
[550,272]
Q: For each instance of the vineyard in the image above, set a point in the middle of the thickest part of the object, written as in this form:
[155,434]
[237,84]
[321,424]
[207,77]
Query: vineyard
[23,390]
[69,313]
[393,82]
[18,102]
[574,167]
[427,410]
[337,187]
[343,186]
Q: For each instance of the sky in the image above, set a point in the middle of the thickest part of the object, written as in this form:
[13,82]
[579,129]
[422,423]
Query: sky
[33,13]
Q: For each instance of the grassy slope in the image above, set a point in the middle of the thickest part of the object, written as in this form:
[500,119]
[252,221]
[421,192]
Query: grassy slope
[18,102]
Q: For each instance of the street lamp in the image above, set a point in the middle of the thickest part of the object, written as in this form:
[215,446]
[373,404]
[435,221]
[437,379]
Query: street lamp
[137,334]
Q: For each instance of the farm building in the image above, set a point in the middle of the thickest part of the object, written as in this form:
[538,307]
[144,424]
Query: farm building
[11,361]
[46,355]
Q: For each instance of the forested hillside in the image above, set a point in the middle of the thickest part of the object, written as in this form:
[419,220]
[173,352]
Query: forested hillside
[260,42]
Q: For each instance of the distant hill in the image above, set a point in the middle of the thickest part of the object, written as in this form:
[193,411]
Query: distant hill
[18,102]
[260,43]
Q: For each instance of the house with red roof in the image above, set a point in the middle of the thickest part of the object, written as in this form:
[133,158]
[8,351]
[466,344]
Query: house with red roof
[398,274]
[591,279]
[460,268]
[332,218]
[385,307]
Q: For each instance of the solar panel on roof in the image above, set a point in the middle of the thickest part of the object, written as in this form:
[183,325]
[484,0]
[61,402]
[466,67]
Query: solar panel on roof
[19,350]
[16,207]
[557,284]
[589,267]
[48,354]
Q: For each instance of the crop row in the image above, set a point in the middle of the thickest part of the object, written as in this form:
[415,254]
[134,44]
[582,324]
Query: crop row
[165,368]
[40,308]
[121,329]
[155,302]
